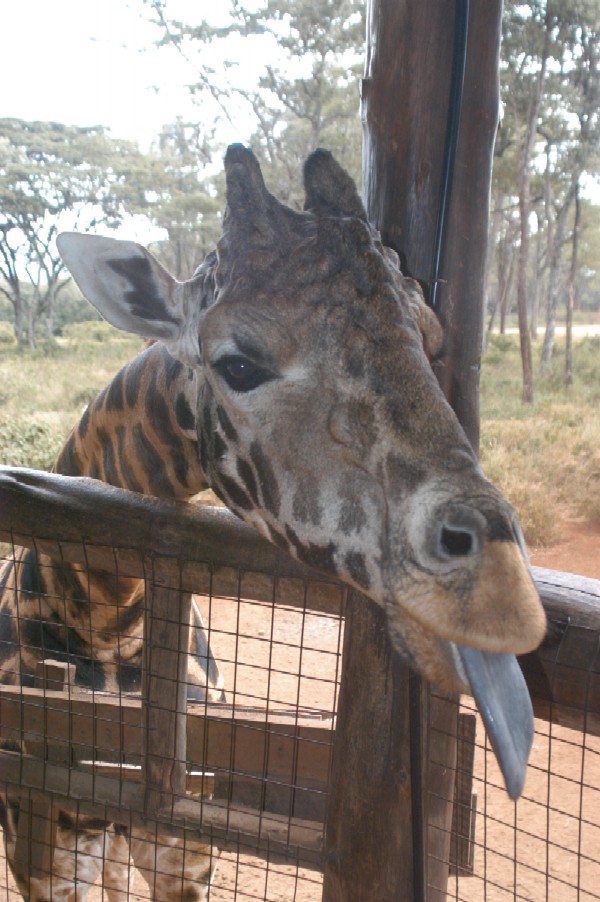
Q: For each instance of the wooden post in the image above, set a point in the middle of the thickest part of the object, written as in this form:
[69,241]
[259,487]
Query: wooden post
[34,847]
[404,105]
[369,848]
[164,695]
[398,848]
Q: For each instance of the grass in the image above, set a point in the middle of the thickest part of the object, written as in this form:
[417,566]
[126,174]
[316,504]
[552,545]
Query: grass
[44,392]
[545,457]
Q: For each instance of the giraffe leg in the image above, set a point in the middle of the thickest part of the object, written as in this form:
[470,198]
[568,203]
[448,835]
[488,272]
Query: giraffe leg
[70,866]
[76,863]
[118,872]
[174,868]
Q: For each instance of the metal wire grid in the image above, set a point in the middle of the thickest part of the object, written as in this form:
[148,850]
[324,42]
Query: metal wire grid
[544,848]
[281,670]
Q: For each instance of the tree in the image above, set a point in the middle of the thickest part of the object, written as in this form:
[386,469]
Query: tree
[52,177]
[571,293]
[307,93]
[577,141]
[528,67]
[547,143]
[190,206]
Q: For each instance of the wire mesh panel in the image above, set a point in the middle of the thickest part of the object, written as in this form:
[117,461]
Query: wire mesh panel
[260,704]
[543,848]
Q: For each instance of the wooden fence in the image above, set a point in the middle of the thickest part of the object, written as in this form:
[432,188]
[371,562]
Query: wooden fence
[277,783]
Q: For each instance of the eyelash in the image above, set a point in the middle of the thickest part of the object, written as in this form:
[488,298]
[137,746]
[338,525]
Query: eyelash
[241,374]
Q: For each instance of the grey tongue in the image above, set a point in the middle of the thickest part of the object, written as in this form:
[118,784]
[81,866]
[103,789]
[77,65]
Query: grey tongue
[504,704]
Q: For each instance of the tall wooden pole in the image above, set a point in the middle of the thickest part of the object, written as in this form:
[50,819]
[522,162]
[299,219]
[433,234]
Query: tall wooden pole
[391,799]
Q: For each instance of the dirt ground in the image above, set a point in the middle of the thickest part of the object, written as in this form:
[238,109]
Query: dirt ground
[544,849]
[577,552]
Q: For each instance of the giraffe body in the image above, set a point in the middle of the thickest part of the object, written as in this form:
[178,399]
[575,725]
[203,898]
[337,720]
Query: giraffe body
[311,409]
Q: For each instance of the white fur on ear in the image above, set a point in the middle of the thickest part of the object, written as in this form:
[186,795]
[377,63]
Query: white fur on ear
[125,283]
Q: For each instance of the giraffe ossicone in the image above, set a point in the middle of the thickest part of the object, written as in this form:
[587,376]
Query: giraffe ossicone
[320,422]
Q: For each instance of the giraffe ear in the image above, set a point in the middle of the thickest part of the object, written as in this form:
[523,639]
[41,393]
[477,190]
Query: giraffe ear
[124,282]
[329,188]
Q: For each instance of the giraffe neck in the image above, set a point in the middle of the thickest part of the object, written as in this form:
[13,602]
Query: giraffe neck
[140,431]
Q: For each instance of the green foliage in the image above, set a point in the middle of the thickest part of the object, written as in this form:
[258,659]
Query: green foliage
[307,92]
[30,443]
[191,205]
[54,176]
[7,334]
[547,156]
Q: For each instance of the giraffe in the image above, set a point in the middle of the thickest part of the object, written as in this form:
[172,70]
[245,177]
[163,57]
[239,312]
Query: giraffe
[304,388]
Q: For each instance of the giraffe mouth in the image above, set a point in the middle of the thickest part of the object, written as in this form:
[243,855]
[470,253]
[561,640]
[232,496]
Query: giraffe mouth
[503,701]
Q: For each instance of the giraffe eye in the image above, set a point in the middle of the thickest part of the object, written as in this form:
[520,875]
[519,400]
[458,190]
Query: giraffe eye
[241,374]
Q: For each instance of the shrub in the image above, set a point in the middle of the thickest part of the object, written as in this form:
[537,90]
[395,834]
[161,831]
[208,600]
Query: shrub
[30,443]
[7,334]
[501,343]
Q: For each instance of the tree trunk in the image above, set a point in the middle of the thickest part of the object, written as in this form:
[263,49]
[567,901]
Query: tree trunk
[554,276]
[524,334]
[30,327]
[571,292]
[506,268]
[19,320]
[530,131]
[50,304]
[536,292]
[506,290]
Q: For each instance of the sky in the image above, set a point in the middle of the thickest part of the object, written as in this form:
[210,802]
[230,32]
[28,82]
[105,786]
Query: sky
[93,62]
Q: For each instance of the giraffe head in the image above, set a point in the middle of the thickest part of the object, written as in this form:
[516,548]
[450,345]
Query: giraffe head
[320,422]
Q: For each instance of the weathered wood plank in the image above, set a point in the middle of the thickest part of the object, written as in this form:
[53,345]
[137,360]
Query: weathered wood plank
[219,546]
[278,762]
[228,826]
[369,808]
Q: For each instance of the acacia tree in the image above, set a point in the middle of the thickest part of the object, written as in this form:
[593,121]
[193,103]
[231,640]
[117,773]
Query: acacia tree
[52,177]
[189,209]
[307,93]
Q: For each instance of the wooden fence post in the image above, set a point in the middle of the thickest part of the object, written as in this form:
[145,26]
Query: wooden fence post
[399,848]
[369,840]
[164,695]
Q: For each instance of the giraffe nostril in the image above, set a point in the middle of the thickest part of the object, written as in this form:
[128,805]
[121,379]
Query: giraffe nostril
[456,542]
